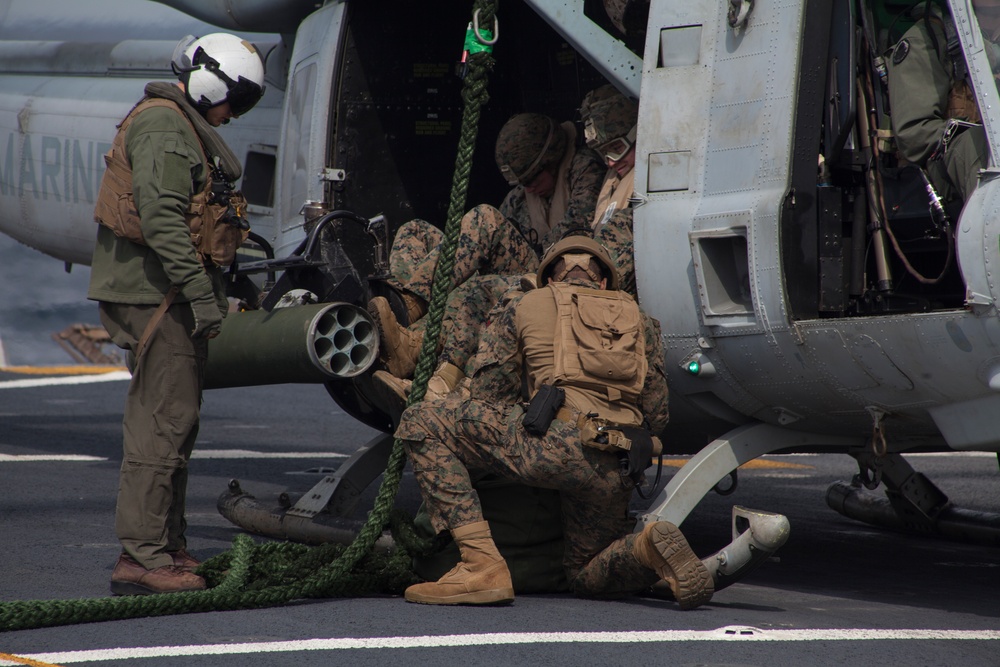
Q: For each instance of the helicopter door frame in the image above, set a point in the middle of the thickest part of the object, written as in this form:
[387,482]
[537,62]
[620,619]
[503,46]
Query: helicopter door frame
[306,121]
[980,73]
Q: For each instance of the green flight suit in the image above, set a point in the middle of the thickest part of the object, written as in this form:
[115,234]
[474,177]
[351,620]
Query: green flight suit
[920,83]
[129,280]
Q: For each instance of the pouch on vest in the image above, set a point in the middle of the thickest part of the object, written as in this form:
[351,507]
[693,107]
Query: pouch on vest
[542,409]
[213,233]
[599,342]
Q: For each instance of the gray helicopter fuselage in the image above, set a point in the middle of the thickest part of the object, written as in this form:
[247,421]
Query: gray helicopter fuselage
[735,251]
[722,227]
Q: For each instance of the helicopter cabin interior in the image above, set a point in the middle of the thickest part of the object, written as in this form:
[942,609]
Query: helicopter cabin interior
[868,242]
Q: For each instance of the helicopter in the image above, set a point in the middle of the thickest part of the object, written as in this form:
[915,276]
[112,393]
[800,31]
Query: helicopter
[790,321]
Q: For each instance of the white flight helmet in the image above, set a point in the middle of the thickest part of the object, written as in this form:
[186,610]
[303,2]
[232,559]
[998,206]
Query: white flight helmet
[219,68]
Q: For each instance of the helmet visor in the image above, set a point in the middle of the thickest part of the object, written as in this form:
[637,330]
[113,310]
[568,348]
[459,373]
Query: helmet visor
[244,95]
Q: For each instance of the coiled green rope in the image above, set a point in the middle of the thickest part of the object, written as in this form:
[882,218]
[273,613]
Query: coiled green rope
[250,576]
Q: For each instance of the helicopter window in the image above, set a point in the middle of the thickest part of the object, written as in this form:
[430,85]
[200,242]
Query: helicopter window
[669,172]
[258,176]
[680,46]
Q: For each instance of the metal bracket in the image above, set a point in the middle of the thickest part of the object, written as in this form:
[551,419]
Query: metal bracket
[339,493]
[378,229]
[333,175]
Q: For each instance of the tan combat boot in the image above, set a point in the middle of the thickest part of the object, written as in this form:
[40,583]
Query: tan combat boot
[481,577]
[400,347]
[416,307]
[662,548]
[445,378]
[399,387]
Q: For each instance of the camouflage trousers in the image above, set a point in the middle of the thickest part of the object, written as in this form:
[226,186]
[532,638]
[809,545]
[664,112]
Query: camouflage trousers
[487,244]
[616,236]
[447,439]
[468,313]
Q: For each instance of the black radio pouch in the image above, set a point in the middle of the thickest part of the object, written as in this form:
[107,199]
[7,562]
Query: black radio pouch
[542,409]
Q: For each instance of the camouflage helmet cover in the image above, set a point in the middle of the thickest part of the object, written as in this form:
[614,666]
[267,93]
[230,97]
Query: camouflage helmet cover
[607,115]
[578,244]
[527,144]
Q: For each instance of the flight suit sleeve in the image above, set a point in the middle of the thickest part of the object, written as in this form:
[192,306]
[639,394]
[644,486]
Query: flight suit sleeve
[497,371]
[586,177]
[653,402]
[163,164]
[919,85]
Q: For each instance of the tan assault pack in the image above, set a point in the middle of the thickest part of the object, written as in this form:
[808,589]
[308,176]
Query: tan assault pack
[599,342]
[214,238]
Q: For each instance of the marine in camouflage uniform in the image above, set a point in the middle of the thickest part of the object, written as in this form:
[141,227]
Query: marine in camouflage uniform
[555,189]
[555,183]
[927,90]
[447,439]
[609,127]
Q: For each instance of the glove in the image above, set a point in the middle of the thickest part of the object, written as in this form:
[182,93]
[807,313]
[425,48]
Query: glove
[207,317]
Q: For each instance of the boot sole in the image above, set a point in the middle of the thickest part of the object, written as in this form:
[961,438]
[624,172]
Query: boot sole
[694,583]
[496,597]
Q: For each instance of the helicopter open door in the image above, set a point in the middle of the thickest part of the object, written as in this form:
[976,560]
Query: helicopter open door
[302,160]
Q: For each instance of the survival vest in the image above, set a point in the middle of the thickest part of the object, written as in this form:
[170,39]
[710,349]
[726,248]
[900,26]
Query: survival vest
[599,342]
[214,238]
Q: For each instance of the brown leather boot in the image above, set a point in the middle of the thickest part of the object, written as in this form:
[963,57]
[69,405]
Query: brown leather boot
[445,378]
[661,547]
[184,560]
[481,577]
[400,347]
[131,578]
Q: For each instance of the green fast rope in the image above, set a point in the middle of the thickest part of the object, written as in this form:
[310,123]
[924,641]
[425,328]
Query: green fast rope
[250,576]
[475,96]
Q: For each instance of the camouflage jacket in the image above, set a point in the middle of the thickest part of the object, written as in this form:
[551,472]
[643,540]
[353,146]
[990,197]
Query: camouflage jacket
[586,177]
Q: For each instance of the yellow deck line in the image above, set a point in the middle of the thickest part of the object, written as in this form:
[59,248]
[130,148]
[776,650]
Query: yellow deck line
[61,370]
[756,464]
[8,659]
